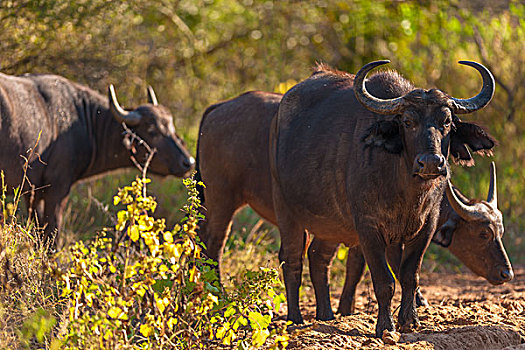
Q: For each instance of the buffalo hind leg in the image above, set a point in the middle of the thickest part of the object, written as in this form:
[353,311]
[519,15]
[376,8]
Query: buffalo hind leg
[214,230]
[320,255]
[409,278]
[355,266]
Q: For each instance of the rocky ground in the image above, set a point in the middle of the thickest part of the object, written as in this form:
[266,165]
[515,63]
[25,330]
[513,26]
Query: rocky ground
[465,312]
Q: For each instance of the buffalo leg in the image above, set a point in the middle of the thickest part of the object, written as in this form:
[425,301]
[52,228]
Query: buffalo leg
[50,213]
[394,254]
[409,277]
[355,266]
[215,229]
[374,251]
[320,255]
[293,241]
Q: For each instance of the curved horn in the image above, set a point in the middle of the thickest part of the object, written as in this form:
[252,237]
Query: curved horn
[467,212]
[119,113]
[152,98]
[492,197]
[372,103]
[464,106]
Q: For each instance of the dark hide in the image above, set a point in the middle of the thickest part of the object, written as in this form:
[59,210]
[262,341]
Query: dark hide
[80,138]
[349,175]
[236,173]
[232,161]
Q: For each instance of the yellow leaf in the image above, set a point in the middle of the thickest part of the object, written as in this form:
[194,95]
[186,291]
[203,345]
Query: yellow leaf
[133,233]
[192,273]
[114,312]
[146,330]
[168,237]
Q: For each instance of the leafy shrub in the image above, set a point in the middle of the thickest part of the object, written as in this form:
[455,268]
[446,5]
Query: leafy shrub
[29,303]
[147,287]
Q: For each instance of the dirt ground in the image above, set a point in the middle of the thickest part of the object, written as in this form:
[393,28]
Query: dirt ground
[465,312]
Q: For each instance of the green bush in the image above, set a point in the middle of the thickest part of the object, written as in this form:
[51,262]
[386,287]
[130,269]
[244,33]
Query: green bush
[146,287]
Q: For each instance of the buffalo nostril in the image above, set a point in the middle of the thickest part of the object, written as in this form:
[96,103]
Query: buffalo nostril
[420,162]
[506,275]
[188,162]
[441,163]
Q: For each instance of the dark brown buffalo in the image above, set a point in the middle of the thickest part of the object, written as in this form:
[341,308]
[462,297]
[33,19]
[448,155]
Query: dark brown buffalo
[366,166]
[236,173]
[232,161]
[471,229]
[81,137]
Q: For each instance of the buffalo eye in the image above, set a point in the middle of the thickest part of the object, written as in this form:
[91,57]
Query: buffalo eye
[485,235]
[409,123]
[152,130]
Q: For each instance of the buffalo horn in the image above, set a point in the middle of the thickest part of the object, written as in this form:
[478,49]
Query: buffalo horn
[467,212]
[119,113]
[372,103]
[464,106]
[492,197]
[152,98]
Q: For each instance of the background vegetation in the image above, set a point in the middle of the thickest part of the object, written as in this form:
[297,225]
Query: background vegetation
[197,52]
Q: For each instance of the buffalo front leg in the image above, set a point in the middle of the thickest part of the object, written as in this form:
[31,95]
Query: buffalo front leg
[320,255]
[394,253]
[54,205]
[293,241]
[355,266]
[373,248]
[409,277]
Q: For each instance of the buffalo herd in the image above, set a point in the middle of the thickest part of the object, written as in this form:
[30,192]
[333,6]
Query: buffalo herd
[339,158]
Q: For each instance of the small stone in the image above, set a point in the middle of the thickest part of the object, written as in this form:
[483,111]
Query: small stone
[391,337]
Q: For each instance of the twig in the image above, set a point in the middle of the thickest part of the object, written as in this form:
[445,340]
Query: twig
[149,151]
[103,208]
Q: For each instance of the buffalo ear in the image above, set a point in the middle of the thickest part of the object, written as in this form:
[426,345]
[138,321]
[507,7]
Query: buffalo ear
[473,136]
[443,235]
[384,134]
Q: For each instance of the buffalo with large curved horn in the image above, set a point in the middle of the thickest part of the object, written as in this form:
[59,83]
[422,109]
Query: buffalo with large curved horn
[152,98]
[120,114]
[470,212]
[395,105]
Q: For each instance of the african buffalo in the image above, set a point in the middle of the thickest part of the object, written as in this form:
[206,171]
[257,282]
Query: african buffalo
[471,229]
[236,173]
[368,166]
[81,137]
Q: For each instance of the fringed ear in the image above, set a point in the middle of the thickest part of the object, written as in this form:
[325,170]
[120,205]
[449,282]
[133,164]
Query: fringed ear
[473,136]
[443,235]
[384,134]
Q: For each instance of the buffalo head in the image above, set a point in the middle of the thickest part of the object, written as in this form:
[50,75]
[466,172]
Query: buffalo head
[473,233]
[424,126]
[154,124]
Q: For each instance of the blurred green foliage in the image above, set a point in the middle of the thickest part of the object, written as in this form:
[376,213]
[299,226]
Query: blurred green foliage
[197,52]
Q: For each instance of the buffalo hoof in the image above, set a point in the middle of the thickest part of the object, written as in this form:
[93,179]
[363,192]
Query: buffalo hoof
[295,318]
[324,316]
[346,308]
[409,327]
[384,323]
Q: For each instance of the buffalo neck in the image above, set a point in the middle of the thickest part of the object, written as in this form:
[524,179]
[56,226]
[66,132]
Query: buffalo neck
[105,135]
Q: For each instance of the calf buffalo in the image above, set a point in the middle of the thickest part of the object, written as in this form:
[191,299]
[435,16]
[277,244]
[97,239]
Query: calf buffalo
[368,166]
[236,173]
[81,137]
